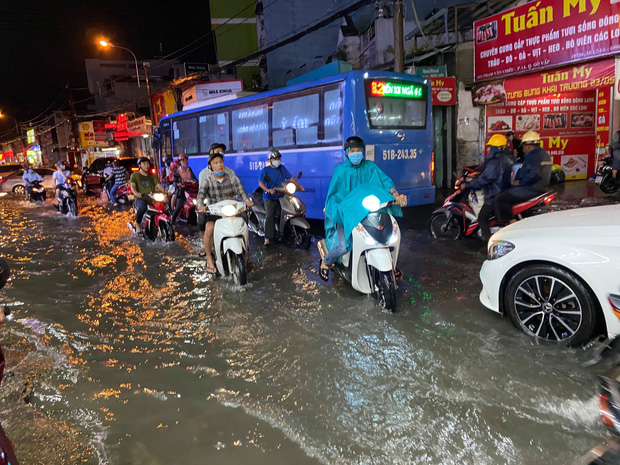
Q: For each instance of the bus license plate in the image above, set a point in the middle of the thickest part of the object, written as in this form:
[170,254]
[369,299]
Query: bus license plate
[598,179]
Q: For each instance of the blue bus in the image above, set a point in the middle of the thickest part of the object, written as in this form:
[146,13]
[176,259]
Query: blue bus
[308,123]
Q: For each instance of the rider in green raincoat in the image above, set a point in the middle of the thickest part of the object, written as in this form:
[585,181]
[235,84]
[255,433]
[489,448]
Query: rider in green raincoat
[341,218]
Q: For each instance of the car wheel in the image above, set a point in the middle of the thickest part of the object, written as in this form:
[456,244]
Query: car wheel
[548,302]
[19,190]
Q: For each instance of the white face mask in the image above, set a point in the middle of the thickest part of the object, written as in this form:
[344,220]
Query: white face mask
[275,163]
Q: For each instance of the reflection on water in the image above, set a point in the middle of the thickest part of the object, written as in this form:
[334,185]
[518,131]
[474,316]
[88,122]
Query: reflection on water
[152,361]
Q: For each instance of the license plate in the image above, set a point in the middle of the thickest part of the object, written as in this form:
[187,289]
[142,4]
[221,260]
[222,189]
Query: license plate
[598,179]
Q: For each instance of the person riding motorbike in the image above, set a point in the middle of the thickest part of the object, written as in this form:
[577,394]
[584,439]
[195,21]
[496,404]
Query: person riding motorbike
[217,182]
[29,177]
[120,178]
[495,178]
[182,174]
[277,174]
[531,180]
[59,177]
[352,172]
[142,184]
[108,175]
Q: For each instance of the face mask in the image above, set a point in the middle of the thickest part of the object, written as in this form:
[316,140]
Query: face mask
[356,157]
[219,173]
[31,171]
[275,163]
[184,164]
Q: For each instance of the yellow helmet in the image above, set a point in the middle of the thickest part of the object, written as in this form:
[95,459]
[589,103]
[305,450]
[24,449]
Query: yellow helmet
[498,140]
[531,137]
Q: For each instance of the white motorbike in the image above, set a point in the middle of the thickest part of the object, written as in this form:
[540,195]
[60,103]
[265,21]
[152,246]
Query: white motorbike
[230,239]
[370,265]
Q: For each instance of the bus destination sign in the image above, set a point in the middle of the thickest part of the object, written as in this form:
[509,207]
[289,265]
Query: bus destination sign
[395,89]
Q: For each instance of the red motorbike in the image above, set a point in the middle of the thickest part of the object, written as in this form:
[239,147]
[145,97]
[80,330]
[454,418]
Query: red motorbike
[190,191]
[457,218]
[121,195]
[156,222]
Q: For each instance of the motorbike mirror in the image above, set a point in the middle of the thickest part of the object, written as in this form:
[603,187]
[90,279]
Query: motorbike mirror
[268,178]
[299,175]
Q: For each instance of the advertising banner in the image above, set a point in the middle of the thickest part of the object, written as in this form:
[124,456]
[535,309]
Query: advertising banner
[211,89]
[603,119]
[565,122]
[431,71]
[87,135]
[443,90]
[544,34]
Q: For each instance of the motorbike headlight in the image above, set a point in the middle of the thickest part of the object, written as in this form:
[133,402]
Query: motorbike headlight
[229,210]
[291,188]
[498,249]
[159,197]
[368,239]
[371,203]
[394,236]
[195,201]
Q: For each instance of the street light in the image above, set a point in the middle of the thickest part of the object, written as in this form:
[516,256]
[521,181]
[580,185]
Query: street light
[2,115]
[104,43]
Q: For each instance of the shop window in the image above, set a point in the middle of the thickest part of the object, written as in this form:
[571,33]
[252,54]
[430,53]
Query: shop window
[185,136]
[250,128]
[299,116]
[213,128]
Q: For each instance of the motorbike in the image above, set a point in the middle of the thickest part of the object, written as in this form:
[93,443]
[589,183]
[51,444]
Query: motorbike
[370,265]
[36,192]
[122,194]
[230,239]
[190,192]
[458,216]
[68,198]
[156,221]
[291,225]
[605,178]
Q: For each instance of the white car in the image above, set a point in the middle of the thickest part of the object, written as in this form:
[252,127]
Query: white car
[556,275]
[14,183]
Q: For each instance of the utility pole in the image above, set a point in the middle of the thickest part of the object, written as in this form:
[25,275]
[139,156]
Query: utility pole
[74,127]
[148,93]
[399,46]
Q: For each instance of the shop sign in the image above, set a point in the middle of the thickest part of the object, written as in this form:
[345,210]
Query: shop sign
[99,129]
[431,71]
[30,136]
[544,34]
[211,89]
[87,135]
[443,90]
[576,78]
[138,126]
[565,122]
[603,118]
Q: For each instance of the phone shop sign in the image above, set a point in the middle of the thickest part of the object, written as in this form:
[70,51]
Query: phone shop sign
[545,34]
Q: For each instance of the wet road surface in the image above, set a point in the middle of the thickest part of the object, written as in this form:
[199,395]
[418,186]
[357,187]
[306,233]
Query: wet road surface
[131,354]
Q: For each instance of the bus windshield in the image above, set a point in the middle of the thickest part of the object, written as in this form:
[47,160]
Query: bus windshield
[396,104]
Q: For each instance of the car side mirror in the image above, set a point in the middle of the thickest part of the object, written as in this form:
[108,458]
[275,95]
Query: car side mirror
[299,175]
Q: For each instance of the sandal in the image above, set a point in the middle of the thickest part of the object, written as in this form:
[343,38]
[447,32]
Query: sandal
[323,272]
[211,269]
[202,253]
[140,234]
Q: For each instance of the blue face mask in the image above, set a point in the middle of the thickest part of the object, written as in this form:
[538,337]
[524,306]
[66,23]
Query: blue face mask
[275,163]
[219,173]
[31,171]
[356,157]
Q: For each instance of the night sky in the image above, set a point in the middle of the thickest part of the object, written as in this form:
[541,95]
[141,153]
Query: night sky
[44,44]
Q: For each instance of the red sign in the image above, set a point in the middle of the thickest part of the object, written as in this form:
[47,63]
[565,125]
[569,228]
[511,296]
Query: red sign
[544,34]
[443,90]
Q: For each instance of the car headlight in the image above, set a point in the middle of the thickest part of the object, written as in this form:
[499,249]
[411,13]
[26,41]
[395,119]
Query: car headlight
[159,197]
[291,188]
[498,249]
[371,203]
[229,210]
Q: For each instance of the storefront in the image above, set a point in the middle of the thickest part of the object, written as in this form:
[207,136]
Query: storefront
[553,72]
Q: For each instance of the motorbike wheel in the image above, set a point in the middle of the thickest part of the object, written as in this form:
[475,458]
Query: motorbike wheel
[149,232]
[167,231]
[123,200]
[608,185]
[385,289]
[443,228]
[4,272]
[236,266]
[303,239]
[550,303]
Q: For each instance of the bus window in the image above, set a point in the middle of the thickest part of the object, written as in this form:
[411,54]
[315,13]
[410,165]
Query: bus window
[332,101]
[297,116]
[185,136]
[250,128]
[165,143]
[213,128]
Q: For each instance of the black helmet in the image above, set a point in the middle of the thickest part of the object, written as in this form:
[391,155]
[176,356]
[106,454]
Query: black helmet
[215,146]
[142,159]
[354,141]
[213,155]
[273,153]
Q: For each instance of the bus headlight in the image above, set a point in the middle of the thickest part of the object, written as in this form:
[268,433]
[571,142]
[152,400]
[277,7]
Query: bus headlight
[229,210]
[371,203]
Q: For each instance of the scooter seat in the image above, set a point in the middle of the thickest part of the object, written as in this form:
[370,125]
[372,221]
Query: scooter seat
[521,207]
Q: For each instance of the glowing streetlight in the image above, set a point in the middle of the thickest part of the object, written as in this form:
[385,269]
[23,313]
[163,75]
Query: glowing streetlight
[2,115]
[104,43]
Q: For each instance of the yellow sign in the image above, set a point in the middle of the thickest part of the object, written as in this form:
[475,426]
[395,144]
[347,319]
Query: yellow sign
[87,134]
[30,136]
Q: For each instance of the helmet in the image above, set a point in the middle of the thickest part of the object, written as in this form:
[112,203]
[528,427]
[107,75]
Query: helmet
[531,137]
[213,155]
[354,141]
[274,153]
[215,146]
[143,159]
[497,140]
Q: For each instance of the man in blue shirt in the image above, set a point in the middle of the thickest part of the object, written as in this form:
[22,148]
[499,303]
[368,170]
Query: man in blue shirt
[277,174]
[29,177]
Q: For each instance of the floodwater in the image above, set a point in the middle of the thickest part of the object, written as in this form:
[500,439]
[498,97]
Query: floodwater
[129,353]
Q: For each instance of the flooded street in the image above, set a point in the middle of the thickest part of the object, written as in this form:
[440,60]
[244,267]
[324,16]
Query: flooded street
[130,353]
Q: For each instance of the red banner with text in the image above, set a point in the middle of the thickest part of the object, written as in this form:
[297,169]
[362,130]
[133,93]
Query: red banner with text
[443,90]
[544,34]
